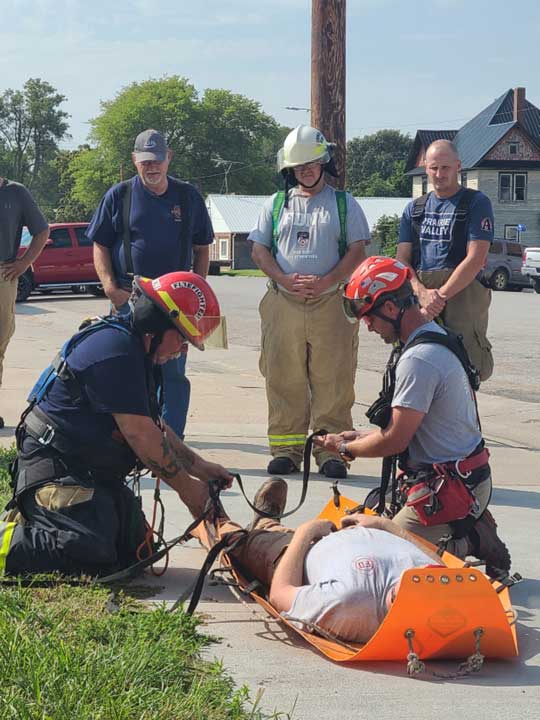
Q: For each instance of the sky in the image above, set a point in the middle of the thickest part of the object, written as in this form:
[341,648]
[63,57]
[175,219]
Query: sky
[410,65]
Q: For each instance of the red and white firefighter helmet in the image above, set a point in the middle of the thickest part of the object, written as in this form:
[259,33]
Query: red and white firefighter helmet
[188,301]
[376,276]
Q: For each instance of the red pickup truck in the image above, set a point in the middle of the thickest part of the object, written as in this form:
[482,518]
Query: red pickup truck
[65,263]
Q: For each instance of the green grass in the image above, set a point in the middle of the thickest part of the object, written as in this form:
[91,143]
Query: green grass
[244,273]
[64,656]
[7,455]
[68,652]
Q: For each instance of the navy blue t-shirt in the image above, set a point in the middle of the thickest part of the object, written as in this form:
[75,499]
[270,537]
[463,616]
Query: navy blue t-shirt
[437,225]
[160,241]
[110,365]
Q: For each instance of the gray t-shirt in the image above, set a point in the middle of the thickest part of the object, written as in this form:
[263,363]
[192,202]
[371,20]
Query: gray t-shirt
[17,208]
[430,379]
[348,575]
[309,231]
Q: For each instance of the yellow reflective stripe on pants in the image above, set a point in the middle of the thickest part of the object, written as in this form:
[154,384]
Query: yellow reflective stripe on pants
[6,533]
[278,440]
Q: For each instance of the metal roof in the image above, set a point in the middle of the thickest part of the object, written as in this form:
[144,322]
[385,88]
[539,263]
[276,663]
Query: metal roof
[476,138]
[239,213]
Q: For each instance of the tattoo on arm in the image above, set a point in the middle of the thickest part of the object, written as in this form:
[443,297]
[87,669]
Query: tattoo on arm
[175,458]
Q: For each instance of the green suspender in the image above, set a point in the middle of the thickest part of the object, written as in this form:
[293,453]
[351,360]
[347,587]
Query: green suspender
[341,200]
[279,202]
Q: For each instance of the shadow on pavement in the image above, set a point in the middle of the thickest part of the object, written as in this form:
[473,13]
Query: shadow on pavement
[516,498]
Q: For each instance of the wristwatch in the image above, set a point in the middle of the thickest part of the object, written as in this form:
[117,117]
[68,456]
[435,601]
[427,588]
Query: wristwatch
[344,453]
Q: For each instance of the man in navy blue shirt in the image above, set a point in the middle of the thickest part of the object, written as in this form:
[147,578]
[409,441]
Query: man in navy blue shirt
[168,229]
[445,237]
[95,421]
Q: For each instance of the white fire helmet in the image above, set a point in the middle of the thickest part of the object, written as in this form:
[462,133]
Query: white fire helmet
[303,145]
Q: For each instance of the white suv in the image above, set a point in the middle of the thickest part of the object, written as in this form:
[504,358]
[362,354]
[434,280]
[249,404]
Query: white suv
[531,266]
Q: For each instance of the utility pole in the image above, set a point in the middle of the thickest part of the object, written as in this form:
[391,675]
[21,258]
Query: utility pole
[218,161]
[328,74]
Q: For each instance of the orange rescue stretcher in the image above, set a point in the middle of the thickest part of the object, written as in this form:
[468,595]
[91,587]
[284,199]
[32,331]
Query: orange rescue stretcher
[439,613]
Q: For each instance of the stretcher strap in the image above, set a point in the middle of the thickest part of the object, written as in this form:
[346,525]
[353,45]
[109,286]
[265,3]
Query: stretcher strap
[305,481]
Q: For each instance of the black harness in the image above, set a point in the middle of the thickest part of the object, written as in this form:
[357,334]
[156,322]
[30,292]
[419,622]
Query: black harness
[458,238]
[182,191]
[55,454]
[379,413]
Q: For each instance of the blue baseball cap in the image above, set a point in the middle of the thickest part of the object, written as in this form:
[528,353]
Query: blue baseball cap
[150,145]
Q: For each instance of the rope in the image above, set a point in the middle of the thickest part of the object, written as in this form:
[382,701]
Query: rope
[472,664]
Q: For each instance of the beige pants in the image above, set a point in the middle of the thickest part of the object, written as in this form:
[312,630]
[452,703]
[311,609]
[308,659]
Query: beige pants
[466,314]
[8,294]
[408,519]
[308,359]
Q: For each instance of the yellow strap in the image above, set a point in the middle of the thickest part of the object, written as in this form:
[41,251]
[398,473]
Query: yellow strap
[182,317]
[6,534]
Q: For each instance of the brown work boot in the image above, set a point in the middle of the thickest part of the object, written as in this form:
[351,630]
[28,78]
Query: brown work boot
[271,498]
[488,546]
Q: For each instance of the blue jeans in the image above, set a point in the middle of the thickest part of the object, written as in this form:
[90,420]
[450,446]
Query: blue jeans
[176,388]
[176,391]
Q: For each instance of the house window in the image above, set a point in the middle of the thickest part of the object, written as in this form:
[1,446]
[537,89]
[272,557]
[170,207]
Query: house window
[514,148]
[512,187]
[424,184]
[510,232]
[223,249]
[464,179]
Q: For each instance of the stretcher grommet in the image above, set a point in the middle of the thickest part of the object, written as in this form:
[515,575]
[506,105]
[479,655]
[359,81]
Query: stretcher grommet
[430,578]
[459,578]
[472,578]
[415,579]
[445,579]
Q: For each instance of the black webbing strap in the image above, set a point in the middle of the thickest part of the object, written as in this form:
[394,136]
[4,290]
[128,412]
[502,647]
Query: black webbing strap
[228,543]
[126,231]
[305,481]
[211,506]
[458,241]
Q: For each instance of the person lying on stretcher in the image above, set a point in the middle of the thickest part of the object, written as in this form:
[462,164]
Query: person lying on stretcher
[337,581]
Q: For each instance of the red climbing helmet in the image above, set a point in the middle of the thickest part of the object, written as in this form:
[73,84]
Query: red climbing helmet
[187,300]
[375,277]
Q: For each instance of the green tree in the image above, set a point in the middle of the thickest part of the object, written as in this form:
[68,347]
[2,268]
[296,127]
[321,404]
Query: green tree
[68,208]
[375,164]
[385,233]
[31,126]
[208,135]
[235,133]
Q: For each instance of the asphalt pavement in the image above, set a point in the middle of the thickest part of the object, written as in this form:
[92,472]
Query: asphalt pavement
[227,423]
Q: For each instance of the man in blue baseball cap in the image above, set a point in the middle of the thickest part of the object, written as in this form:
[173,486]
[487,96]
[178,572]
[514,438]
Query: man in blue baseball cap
[150,225]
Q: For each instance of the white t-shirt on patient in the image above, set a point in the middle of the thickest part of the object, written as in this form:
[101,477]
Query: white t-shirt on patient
[348,575]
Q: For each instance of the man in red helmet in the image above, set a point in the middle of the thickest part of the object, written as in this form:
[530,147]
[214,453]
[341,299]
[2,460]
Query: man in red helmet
[93,418]
[430,419]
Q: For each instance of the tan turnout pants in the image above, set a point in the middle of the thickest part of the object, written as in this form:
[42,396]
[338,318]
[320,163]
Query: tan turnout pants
[466,314]
[8,294]
[308,359]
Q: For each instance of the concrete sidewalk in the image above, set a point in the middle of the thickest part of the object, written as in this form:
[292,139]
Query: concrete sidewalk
[227,423]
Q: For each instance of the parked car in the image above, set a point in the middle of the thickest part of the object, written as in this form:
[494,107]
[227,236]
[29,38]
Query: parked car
[531,266]
[65,263]
[503,266]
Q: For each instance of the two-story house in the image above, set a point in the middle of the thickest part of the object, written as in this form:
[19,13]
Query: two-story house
[500,155]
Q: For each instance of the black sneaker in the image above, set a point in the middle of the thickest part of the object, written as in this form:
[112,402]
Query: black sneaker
[281,466]
[488,546]
[334,468]
[271,498]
